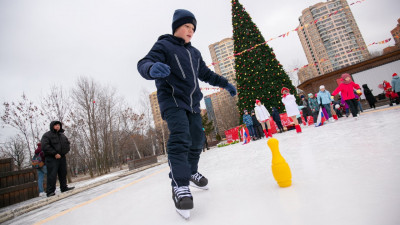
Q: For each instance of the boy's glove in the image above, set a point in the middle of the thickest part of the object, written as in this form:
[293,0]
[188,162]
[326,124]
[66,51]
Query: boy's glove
[231,89]
[159,70]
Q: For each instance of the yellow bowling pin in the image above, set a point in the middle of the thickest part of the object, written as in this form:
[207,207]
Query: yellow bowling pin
[280,169]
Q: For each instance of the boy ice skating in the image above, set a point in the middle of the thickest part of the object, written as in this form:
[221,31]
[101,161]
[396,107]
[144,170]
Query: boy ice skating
[176,66]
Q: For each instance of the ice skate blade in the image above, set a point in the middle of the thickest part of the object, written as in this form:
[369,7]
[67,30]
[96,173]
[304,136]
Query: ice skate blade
[185,213]
[194,185]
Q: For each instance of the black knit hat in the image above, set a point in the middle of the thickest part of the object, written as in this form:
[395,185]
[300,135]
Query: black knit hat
[182,16]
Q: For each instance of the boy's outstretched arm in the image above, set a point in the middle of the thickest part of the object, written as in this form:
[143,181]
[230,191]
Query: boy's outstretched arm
[155,57]
[207,75]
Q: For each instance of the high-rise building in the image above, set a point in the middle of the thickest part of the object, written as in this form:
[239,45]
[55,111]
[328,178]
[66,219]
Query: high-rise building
[334,41]
[221,106]
[396,33]
[224,66]
[159,123]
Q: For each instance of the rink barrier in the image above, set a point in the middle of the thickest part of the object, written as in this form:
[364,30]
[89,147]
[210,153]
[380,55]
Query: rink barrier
[137,163]
[16,186]
[8,215]
[6,165]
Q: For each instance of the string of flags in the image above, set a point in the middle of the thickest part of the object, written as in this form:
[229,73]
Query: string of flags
[316,63]
[285,34]
[350,51]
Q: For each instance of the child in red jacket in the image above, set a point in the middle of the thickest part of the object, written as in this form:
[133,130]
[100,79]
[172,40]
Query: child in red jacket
[347,90]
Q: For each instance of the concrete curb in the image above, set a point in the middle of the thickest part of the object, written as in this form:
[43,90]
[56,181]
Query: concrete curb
[5,216]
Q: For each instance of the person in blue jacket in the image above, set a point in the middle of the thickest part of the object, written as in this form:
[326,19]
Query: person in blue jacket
[177,66]
[249,124]
[324,100]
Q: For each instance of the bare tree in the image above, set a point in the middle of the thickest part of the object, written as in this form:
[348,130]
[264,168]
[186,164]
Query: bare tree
[56,105]
[148,123]
[27,118]
[15,148]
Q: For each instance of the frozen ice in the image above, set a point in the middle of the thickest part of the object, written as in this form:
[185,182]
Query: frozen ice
[345,172]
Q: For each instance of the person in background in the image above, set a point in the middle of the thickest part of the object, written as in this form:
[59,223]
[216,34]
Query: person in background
[257,125]
[55,146]
[346,88]
[396,86]
[324,100]
[291,107]
[277,118]
[369,96]
[358,99]
[313,103]
[263,117]
[42,171]
[249,124]
[306,109]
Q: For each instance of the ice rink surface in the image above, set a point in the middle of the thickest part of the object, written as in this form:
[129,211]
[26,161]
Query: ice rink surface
[347,172]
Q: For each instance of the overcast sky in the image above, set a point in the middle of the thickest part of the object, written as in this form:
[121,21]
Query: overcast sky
[46,42]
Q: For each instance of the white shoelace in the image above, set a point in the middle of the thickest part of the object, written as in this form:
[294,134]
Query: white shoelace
[182,192]
[197,176]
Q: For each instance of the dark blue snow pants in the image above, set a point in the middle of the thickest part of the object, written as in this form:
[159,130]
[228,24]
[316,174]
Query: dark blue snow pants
[184,146]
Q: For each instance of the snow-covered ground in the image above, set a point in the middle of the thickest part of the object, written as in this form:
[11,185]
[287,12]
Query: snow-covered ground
[345,172]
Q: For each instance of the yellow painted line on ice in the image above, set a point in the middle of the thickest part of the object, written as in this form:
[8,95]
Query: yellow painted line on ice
[99,197]
[380,110]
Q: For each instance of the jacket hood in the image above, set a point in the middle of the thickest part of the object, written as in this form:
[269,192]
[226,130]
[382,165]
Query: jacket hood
[173,39]
[395,77]
[52,126]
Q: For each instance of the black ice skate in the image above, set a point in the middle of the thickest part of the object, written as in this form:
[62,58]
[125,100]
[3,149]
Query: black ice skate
[183,200]
[198,181]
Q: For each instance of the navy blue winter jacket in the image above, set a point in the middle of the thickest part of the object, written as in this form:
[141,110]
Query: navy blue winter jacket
[181,87]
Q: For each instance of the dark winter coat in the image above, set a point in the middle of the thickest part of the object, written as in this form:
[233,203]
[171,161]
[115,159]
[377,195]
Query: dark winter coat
[255,121]
[181,88]
[368,94]
[307,109]
[247,120]
[275,114]
[54,142]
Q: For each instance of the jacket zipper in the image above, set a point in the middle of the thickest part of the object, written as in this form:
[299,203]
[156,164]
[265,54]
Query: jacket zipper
[180,67]
[173,92]
[194,78]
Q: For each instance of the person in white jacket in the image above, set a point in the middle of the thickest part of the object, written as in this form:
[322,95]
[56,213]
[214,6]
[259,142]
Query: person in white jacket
[292,109]
[263,116]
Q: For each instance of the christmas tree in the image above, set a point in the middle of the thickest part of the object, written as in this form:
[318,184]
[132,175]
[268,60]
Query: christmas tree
[259,74]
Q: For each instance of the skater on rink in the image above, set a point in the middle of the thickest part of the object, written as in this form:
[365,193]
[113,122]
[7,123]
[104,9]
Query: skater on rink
[292,109]
[324,100]
[346,88]
[249,124]
[263,117]
[176,66]
[313,103]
